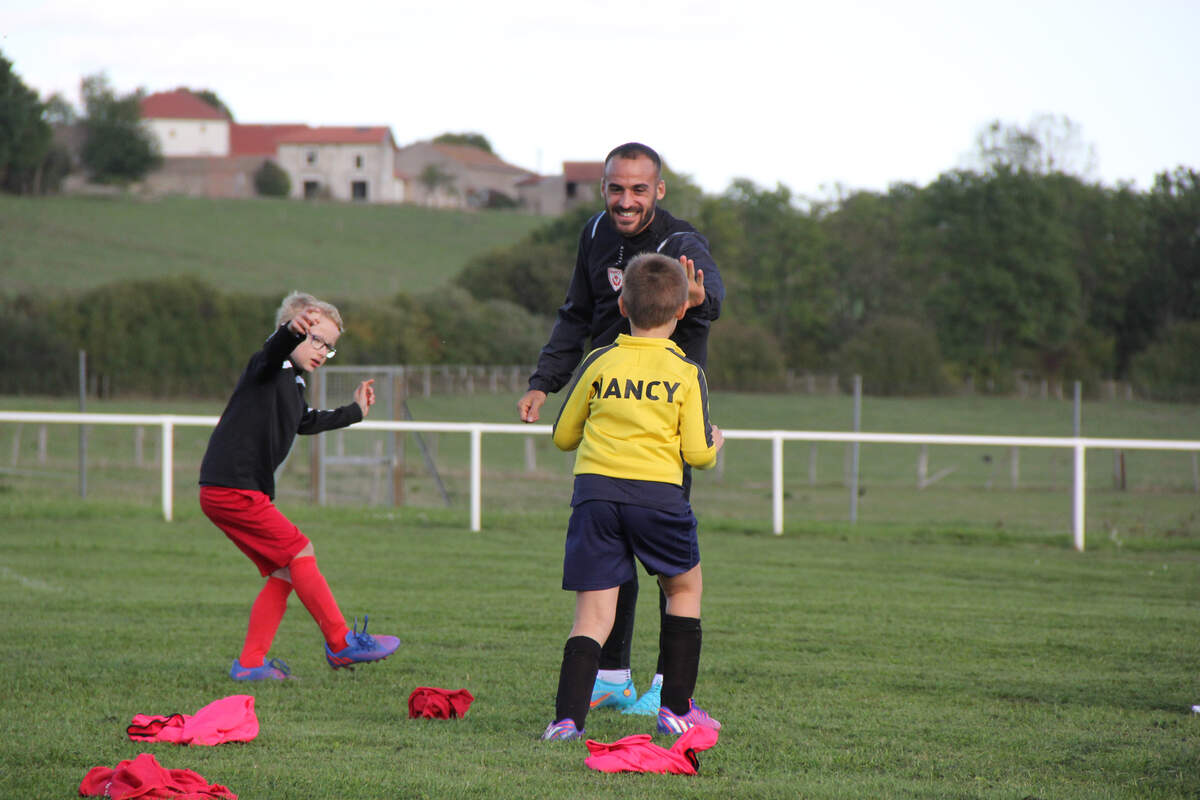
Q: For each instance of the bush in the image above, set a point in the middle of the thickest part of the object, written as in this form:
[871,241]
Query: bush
[743,358]
[38,356]
[894,356]
[1169,369]
[535,272]
[271,180]
[467,331]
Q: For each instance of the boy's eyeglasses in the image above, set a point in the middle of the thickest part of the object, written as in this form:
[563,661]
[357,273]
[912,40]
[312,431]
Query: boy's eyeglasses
[320,345]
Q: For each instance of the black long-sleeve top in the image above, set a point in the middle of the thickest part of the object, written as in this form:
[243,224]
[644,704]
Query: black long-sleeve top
[590,310]
[262,418]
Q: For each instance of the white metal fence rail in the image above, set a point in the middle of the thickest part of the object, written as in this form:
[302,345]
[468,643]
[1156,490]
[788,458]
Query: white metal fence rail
[1079,445]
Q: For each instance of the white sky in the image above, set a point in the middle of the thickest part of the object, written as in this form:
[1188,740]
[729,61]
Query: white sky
[808,94]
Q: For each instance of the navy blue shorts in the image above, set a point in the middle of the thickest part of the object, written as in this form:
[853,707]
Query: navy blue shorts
[603,538]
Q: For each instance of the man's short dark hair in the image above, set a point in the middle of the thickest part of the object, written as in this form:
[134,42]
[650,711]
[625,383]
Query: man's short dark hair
[653,288]
[635,150]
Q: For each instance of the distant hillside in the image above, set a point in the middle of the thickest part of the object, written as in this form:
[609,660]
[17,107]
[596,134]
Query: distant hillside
[269,246]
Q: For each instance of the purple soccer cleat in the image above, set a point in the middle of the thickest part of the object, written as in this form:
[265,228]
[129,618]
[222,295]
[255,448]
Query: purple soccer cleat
[670,722]
[562,731]
[361,647]
[273,670]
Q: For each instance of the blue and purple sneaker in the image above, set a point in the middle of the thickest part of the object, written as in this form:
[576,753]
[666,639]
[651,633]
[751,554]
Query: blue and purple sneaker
[562,731]
[273,670]
[361,647]
[670,722]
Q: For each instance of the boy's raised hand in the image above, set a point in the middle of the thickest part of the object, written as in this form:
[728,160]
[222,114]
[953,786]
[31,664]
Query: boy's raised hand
[718,436]
[304,320]
[695,278]
[364,395]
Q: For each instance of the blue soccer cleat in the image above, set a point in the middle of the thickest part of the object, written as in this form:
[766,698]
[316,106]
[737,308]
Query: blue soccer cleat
[562,731]
[273,670]
[620,695]
[670,722]
[361,647]
[647,704]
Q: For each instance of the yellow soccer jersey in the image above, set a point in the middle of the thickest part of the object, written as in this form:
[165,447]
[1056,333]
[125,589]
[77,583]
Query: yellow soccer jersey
[637,409]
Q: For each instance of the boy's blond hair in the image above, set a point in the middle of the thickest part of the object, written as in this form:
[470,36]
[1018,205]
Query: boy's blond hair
[296,302]
[653,288]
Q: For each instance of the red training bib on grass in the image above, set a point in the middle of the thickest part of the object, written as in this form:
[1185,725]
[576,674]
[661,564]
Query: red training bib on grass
[144,777]
[433,703]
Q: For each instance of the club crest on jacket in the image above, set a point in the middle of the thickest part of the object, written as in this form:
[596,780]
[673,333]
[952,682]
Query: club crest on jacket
[616,276]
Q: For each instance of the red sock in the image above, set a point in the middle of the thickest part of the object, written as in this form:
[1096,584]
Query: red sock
[265,616]
[314,592]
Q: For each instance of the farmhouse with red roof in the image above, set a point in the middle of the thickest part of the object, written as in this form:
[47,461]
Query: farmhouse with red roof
[185,125]
[207,153]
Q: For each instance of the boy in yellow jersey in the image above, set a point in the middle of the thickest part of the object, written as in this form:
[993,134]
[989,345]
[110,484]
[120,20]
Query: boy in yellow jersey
[638,410]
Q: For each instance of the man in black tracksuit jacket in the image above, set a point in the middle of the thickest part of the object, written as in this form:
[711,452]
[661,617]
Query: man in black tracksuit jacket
[630,224]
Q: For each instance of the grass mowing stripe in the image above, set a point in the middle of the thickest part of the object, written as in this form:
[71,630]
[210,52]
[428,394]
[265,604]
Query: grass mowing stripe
[878,661]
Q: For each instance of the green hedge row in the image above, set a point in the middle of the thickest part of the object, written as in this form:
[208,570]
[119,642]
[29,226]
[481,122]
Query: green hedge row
[175,337]
[180,336]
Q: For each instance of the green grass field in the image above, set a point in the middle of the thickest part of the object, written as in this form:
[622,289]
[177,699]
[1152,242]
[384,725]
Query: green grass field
[881,661]
[345,251]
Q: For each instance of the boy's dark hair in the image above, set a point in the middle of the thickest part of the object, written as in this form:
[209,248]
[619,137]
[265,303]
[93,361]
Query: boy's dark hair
[635,150]
[653,288]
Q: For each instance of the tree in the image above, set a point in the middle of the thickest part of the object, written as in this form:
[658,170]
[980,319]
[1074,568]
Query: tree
[998,279]
[210,97]
[25,135]
[1046,145]
[271,180]
[1168,288]
[59,111]
[866,251]
[773,260]
[477,140]
[116,148]
[684,196]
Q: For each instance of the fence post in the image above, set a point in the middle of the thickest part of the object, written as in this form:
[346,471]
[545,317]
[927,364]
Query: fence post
[399,391]
[16,446]
[476,477]
[1014,466]
[855,446]
[530,455]
[777,482]
[1078,504]
[168,468]
[83,431]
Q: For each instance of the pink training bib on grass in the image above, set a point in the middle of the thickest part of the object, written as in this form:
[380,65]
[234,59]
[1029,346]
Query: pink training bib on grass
[639,754]
[230,719]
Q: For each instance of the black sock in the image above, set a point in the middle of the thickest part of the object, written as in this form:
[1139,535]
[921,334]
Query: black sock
[662,616]
[615,654]
[679,644]
[581,657]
